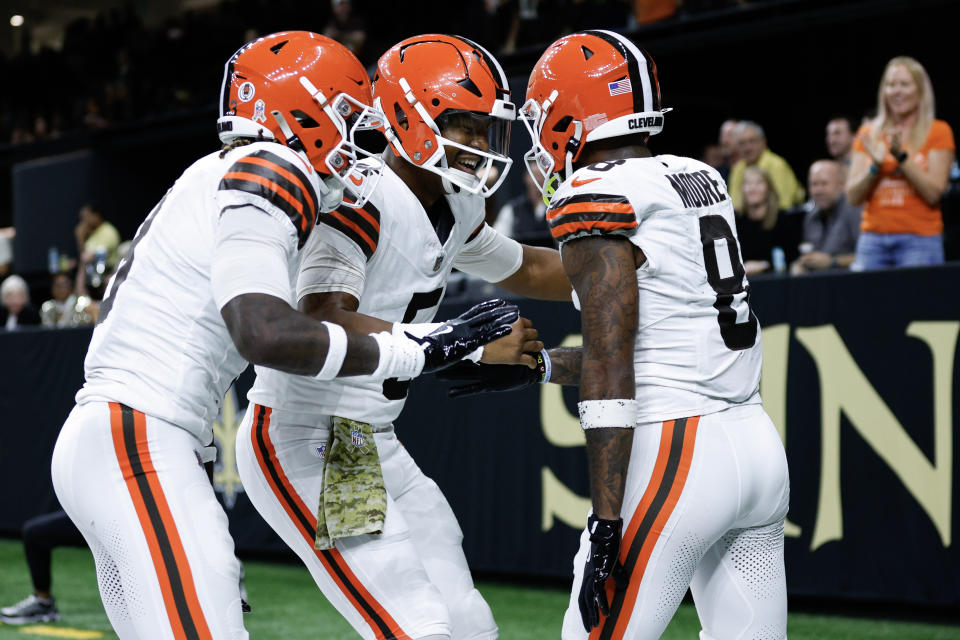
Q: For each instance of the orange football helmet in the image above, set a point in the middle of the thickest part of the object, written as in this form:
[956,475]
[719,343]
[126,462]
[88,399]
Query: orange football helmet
[309,93]
[587,86]
[434,87]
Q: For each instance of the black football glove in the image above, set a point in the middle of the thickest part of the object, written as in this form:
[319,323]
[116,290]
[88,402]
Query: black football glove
[602,563]
[478,378]
[457,337]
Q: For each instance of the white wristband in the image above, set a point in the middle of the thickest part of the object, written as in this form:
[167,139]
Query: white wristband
[336,352]
[608,414]
[400,357]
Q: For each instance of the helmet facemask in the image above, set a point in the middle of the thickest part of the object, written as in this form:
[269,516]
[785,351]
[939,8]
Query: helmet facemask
[490,163]
[542,163]
[349,181]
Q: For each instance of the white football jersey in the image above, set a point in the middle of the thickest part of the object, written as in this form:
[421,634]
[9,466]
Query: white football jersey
[228,226]
[698,342]
[389,256]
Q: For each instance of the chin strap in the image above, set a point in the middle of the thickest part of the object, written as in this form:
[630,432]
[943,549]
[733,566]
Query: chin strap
[331,193]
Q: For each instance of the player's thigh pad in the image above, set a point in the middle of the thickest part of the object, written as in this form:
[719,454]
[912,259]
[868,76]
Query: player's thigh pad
[136,489]
[376,582]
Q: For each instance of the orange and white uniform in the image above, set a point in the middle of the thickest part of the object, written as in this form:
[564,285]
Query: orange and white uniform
[707,486]
[127,466]
[412,580]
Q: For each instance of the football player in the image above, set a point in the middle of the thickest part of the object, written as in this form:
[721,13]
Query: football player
[384,267]
[207,287]
[688,476]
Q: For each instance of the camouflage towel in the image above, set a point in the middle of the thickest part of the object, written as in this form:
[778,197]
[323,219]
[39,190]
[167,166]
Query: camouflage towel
[353,500]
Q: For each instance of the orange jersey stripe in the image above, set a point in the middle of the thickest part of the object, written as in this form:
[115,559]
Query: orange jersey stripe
[273,186]
[590,207]
[353,225]
[332,560]
[121,444]
[588,225]
[369,218]
[263,162]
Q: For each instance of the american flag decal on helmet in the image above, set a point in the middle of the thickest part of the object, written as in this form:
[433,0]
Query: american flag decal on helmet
[620,87]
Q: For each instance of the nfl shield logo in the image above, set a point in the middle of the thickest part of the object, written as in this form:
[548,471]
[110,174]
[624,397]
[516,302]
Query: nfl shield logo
[438,262]
[322,451]
[357,438]
[260,111]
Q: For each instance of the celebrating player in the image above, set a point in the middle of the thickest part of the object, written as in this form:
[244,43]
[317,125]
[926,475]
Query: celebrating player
[386,551]
[207,287]
[688,477]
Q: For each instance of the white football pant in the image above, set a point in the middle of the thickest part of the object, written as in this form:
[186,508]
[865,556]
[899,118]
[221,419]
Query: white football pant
[412,581]
[136,488]
[704,507]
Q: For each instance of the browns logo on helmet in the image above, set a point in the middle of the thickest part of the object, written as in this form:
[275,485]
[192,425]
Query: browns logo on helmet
[587,86]
[309,93]
[434,88]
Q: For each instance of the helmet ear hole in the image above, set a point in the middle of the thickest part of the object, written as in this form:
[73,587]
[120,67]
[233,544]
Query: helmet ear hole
[562,124]
[555,146]
[304,119]
[435,102]
[318,144]
[400,115]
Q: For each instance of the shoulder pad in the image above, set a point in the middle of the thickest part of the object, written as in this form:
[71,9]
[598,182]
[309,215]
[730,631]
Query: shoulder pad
[362,226]
[277,181]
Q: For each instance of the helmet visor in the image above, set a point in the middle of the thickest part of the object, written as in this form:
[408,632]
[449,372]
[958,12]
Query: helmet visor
[477,147]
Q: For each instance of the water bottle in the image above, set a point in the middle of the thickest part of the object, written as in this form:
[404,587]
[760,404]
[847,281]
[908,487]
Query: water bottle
[53,260]
[779,260]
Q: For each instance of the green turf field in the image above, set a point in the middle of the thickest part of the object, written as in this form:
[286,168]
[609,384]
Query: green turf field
[287,605]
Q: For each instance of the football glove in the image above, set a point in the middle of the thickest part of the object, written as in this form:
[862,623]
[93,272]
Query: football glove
[473,378]
[457,337]
[602,564]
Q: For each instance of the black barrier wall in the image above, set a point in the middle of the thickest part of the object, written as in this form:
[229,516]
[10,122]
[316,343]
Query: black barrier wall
[859,376]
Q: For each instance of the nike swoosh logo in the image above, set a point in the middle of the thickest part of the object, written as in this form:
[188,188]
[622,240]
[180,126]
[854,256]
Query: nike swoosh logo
[355,181]
[577,182]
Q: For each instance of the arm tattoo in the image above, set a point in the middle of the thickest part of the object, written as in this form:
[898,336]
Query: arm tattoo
[603,272]
[269,332]
[608,456]
[566,365]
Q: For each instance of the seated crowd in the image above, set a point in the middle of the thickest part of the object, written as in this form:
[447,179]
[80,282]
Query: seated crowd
[874,203]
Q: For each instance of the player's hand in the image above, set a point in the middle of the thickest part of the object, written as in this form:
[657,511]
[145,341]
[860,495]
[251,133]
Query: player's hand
[601,565]
[516,347]
[455,338]
[472,379]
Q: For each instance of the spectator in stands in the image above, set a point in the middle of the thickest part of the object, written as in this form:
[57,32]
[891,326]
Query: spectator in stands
[65,309]
[728,145]
[840,140]
[523,217]
[712,155]
[760,226]
[901,165]
[17,310]
[752,147]
[6,250]
[40,536]
[831,225]
[97,242]
[346,27]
